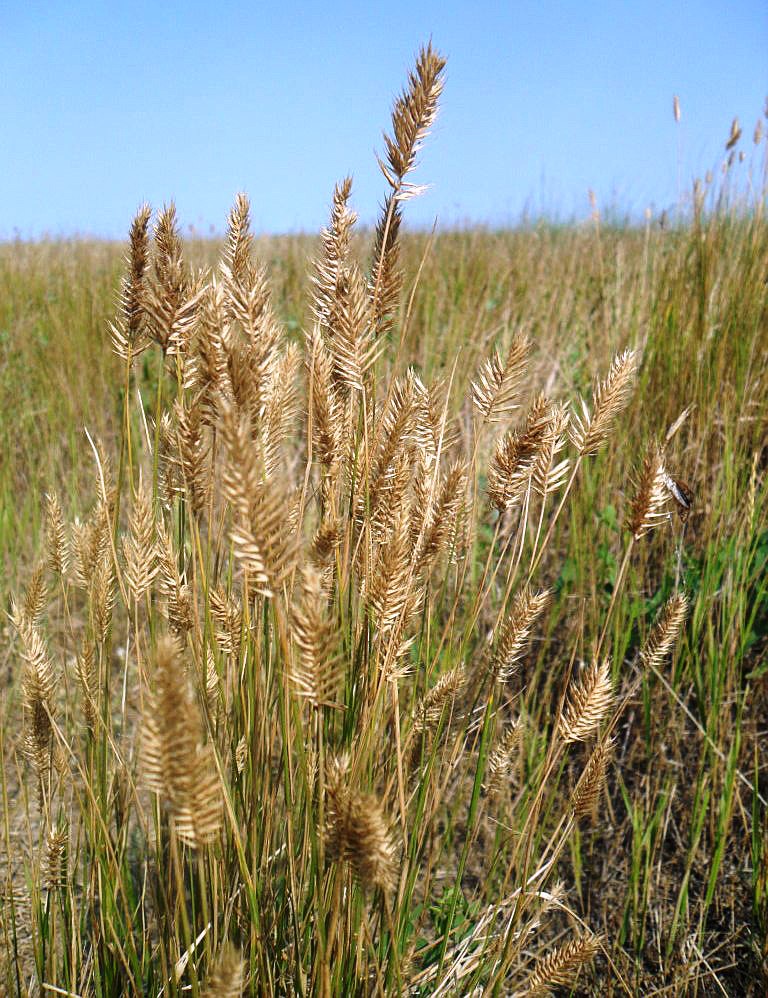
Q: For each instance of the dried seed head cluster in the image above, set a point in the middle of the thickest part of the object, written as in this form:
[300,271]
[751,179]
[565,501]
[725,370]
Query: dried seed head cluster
[516,632]
[590,697]
[560,967]
[298,557]
[358,831]
[648,508]
[665,631]
[176,764]
[610,397]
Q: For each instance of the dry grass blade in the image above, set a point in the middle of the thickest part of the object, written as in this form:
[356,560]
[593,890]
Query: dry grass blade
[590,697]
[610,398]
[560,967]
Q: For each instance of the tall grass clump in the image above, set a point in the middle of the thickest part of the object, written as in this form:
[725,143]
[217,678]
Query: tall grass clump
[316,695]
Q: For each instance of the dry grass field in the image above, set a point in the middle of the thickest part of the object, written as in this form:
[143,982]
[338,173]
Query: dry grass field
[386,612]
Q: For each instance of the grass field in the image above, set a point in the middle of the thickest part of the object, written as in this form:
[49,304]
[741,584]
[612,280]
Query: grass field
[324,673]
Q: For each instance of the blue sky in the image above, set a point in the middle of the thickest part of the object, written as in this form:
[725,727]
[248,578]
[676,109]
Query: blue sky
[103,105]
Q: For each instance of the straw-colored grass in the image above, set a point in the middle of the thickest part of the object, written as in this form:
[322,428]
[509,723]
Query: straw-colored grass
[330,668]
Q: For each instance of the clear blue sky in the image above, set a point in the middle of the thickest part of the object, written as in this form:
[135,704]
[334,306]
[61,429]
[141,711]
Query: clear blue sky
[103,105]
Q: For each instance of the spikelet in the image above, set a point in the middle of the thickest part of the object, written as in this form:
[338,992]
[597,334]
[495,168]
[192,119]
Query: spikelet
[589,699]
[357,831]
[560,967]
[496,386]
[500,758]
[413,114]
[102,596]
[172,303]
[316,676]
[391,595]
[386,281]
[228,615]
[212,683]
[85,670]
[592,781]
[129,334]
[175,764]
[90,544]
[665,631]
[547,476]
[55,536]
[38,684]
[55,863]
[517,457]
[610,398]
[334,242]
[350,333]
[515,634]
[262,539]
[734,136]
[280,408]
[434,434]
[193,455]
[395,437]
[139,545]
[326,540]
[440,513]
[242,279]
[227,976]
[327,412]
[35,596]
[206,372]
[172,586]
[648,506]
[169,480]
[436,704]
